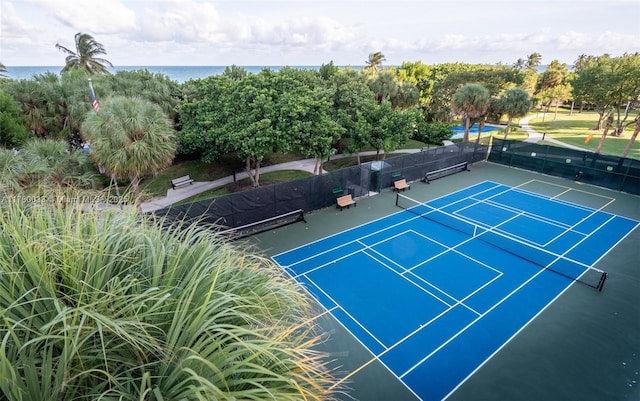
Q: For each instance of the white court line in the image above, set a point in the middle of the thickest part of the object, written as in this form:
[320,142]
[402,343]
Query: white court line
[414,284]
[348,314]
[378,219]
[501,301]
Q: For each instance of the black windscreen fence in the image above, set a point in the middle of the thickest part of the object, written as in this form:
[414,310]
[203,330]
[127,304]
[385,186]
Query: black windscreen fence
[618,173]
[320,191]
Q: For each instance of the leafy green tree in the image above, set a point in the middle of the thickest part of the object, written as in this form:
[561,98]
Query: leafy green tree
[515,103]
[130,138]
[554,86]
[419,75]
[3,71]
[470,101]
[609,83]
[432,133]
[13,132]
[350,98]
[202,114]
[108,305]
[384,128]
[450,77]
[86,55]
[314,131]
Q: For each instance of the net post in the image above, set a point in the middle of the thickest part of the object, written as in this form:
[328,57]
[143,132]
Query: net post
[397,199]
[603,278]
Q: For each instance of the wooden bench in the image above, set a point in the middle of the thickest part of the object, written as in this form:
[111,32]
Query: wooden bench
[345,201]
[401,185]
[181,181]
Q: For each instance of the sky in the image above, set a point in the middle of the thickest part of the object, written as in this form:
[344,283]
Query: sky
[311,33]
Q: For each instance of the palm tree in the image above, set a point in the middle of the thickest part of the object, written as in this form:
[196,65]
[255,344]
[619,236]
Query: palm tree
[85,55]
[374,63]
[130,137]
[514,102]
[533,60]
[107,305]
[470,101]
[3,71]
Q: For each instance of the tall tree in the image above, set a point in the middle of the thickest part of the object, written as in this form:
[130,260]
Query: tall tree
[515,103]
[533,60]
[553,85]
[632,140]
[610,83]
[13,132]
[86,55]
[470,101]
[374,62]
[3,71]
[130,138]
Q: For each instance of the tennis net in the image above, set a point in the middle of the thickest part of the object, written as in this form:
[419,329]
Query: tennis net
[540,257]
[265,224]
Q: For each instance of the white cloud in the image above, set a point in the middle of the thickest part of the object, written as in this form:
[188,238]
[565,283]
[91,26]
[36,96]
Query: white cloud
[90,16]
[245,32]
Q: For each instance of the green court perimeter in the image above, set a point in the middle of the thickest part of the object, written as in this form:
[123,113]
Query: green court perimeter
[584,346]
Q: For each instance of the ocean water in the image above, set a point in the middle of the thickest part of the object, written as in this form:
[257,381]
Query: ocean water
[179,74]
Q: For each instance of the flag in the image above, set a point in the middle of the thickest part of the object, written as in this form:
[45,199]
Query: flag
[94,101]
[588,138]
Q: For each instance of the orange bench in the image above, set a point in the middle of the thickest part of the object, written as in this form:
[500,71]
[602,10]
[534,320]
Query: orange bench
[401,185]
[345,201]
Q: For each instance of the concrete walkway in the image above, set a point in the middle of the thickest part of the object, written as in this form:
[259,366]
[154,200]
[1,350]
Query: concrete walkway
[176,195]
[535,136]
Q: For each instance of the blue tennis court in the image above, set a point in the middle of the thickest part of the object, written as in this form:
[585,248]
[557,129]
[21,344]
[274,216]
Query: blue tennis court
[434,290]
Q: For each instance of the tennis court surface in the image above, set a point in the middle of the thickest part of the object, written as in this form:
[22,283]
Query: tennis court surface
[434,290]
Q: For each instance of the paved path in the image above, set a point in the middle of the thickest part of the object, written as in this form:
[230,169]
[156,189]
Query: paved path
[176,195]
[535,136]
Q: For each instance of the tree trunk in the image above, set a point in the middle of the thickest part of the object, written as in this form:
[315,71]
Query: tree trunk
[604,135]
[506,131]
[318,166]
[254,177]
[600,118]
[467,121]
[480,127]
[627,148]
[555,115]
[572,106]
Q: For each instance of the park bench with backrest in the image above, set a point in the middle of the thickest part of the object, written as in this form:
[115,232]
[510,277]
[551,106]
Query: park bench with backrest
[345,201]
[401,185]
[181,181]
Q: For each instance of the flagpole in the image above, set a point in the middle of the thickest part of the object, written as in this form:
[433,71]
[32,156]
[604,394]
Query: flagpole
[96,106]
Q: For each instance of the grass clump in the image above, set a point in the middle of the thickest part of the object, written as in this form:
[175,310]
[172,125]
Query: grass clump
[106,305]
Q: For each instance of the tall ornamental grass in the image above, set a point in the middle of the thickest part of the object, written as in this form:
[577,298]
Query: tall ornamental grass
[107,306]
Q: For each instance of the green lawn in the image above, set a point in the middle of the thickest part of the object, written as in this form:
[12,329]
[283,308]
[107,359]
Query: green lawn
[199,171]
[575,129]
